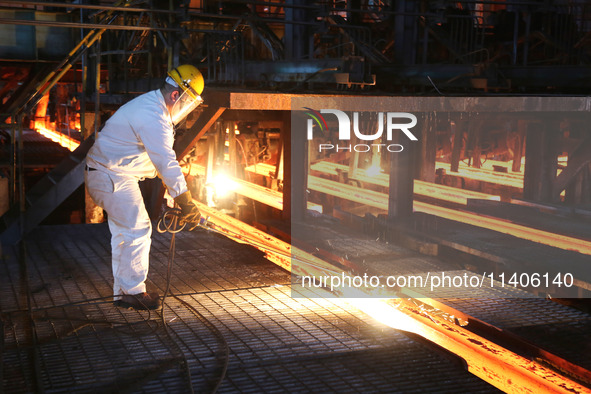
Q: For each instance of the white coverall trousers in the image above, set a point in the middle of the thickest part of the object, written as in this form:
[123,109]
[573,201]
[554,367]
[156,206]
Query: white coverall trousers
[130,228]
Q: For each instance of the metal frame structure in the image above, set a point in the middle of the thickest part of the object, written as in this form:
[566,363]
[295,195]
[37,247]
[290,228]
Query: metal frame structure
[326,46]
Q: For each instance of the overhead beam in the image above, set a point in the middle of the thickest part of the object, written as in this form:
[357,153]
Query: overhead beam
[251,100]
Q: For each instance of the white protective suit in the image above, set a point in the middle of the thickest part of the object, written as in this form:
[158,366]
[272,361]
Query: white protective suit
[136,143]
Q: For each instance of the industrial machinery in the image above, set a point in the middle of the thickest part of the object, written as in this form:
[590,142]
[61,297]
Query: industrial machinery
[441,48]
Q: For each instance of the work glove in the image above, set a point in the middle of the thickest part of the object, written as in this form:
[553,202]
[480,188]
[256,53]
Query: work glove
[189,212]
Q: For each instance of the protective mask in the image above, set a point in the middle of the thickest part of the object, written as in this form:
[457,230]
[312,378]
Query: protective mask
[183,107]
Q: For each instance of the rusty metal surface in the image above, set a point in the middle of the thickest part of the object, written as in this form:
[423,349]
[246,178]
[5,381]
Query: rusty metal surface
[250,100]
[276,342]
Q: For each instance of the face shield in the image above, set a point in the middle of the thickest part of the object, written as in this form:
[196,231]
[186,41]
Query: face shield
[183,107]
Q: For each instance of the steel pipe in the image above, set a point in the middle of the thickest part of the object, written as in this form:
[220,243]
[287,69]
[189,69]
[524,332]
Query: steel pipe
[89,6]
[74,25]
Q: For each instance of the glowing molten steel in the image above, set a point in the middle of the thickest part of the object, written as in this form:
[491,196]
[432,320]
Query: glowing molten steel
[487,360]
[62,139]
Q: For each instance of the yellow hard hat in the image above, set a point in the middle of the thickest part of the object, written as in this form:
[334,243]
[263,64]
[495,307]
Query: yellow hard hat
[189,79]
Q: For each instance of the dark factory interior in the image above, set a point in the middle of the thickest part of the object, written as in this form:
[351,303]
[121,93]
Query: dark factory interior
[448,251]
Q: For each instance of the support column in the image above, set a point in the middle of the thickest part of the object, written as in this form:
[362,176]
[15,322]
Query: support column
[541,160]
[296,36]
[405,27]
[518,145]
[286,157]
[428,151]
[575,177]
[296,168]
[400,193]
[457,129]
[473,143]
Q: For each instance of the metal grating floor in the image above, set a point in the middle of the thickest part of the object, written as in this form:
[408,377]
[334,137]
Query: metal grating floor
[276,343]
[557,328]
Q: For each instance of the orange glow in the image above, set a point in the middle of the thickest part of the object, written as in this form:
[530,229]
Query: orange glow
[223,184]
[490,164]
[487,360]
[441,192]
[62,139]
[264,170]
[487,173]
[384,312]
[272,198]
[500,367]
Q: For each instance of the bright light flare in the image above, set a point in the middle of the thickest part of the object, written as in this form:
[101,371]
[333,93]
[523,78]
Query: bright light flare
[373,171]
[223,185]
[384,312]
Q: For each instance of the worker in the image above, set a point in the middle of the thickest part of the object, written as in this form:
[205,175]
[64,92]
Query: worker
[136,143]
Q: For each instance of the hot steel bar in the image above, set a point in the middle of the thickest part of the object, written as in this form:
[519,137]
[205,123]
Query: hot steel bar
[67,142]
[277,251]
[429,189]
[380,200]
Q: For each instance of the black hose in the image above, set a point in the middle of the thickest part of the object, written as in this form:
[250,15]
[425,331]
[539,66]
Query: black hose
[170,222]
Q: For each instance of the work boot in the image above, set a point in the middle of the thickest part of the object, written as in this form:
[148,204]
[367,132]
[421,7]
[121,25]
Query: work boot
[141,301]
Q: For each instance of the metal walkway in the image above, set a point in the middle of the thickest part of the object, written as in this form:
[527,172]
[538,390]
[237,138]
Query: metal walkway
[276,343]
